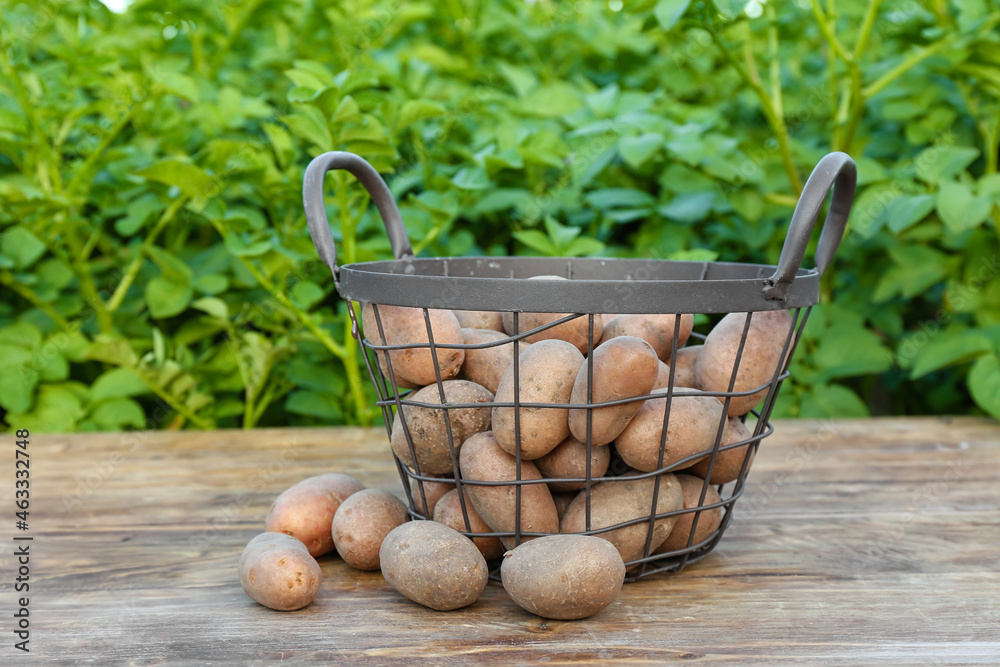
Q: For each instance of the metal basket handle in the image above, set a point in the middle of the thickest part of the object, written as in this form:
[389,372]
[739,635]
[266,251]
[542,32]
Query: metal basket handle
[319,226]
[836,171]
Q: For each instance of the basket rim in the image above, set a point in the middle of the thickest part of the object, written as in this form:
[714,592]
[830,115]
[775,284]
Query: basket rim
[594,285]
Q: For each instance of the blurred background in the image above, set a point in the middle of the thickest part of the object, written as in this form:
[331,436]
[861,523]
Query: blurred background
[157,272]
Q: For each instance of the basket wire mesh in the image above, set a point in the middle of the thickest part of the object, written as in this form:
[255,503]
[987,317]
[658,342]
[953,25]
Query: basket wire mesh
[393,394]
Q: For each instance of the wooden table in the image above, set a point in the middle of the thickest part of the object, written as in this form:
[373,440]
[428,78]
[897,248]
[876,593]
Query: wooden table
[871,541]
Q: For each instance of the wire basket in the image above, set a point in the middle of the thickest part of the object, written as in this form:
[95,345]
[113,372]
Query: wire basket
[594,288]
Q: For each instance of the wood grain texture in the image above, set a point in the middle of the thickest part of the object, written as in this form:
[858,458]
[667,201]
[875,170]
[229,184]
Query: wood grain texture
[871,541]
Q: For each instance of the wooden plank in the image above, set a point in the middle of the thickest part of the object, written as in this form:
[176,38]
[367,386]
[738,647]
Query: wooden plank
[871,541]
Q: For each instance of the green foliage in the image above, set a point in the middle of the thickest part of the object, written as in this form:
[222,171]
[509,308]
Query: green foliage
[157,271]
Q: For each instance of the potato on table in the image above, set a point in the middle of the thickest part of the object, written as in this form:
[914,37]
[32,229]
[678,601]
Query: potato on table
[708,520]
[575,331]
[563,576]
[759,362]
[657,330]
[433,565]
[483,460]
[449,512]
[569,459]
[406,326]
[547,371]
[623,367]
[427,426]
[626,499]
[693,426]
[306,510]
[362,522]
[486,365]
[277,571]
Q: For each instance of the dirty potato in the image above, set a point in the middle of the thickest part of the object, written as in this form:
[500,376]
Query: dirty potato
[480,319]
[362,522]
[306,510]
[486,365]
[657,330]
[406,326]
[693,426]
[708,520]
[449,512]
[277,571]
[575,331]
[569,460]
[728,463]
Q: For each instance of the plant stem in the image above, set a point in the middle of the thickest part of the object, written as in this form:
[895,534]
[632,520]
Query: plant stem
[133,268]
[908,63]
[776,122]
[83,175]
[775,66]
[178,407]
[8,279]
[866,28]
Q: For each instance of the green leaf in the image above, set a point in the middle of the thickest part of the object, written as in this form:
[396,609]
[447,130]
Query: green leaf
[21,246]
[689,208]
[669,12]
[18,379]
[214,306]
[610,198]
[181,85]
[471,178]
[959,209]
[636,151]
[846,351]
[314,404]
[536,240]
[239,247]
[118,383]
[191,180]
[112,351]
[308,123]
[21,334]
[167,298]
[212,283]
[116,413]
[416,110]
[521,79]
[832,401]
[908,210]
[555,99]
[948,348]
[984,384]
[306,294]
[939,163]
[347,111]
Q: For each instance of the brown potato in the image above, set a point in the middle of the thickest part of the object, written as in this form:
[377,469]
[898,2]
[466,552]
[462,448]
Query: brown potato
[432,490]
[480,319]
[761,356]
[728,463]
[449,512]
[547,371]
[694,424]
[486,366]
[483,460]
[684,371]
[708,520]
[406,326]
[427,427]
[306,510]
[362,522]
[624,367]
[624,499]
[433,565]
[657,330]
[575,331]
[563,576]
[569,459]
[277,571]
[562,501]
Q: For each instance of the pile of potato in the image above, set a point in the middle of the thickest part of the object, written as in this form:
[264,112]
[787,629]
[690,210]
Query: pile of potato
[464,459]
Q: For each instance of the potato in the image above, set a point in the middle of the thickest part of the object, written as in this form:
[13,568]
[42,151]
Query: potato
[657,330]
[449,512]
[480,319]
[623,499]
[547,371]
[708,520]
[486,366]
[624,367]
[427,427]
[483,460]
[562,501]
[761,356]
[432,490]
[406,326]
[362,522]
[575,331]
[563,576]
[728,463]
[684,362]
[569,459]
[433,565]
[694,424]
[277,571]
[306,510]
